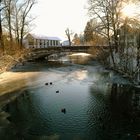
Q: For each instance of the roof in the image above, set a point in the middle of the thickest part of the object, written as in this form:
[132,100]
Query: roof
[44,37]
[66,41]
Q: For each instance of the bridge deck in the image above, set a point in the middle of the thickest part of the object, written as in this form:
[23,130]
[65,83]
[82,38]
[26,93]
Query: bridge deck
[36,53]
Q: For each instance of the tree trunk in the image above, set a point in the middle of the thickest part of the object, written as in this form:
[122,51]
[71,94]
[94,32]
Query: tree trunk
[1,33]
[109,41]
[68,34]
[138,59]
[9,24]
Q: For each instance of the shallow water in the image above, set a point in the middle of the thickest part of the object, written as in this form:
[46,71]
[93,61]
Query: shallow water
[99,104]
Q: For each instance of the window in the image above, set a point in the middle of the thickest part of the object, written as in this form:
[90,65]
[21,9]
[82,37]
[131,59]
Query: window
[40,43]
[56,43]
[50,42]
[53,42]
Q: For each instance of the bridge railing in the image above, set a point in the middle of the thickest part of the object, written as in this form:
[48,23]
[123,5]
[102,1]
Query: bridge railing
[61,48]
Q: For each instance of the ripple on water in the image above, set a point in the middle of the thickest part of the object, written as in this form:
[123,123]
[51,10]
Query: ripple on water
[94,107]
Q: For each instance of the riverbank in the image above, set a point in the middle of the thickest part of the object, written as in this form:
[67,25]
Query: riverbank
[13,81]
[9,60]
[6,62]
[8,79]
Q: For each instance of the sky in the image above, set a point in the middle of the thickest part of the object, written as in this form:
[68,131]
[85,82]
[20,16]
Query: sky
[131,10]
[54,16]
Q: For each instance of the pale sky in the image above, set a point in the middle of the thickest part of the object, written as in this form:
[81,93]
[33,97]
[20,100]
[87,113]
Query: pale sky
[54,16]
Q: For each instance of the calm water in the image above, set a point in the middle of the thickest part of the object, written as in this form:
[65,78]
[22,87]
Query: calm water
[100,105]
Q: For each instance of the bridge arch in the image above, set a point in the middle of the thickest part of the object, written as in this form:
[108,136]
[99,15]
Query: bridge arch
[39,53]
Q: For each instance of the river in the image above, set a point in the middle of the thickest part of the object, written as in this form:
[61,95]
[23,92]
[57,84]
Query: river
[71,101]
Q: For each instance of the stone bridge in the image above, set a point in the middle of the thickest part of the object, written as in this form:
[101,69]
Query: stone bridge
[38,53]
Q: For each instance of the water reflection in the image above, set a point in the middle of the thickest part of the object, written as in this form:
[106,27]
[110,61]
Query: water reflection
[79,58]
[115,115]
[74,58]
[80,75]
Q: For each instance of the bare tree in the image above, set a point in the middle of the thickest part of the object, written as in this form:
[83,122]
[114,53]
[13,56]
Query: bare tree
[68,34]
[24,13]
[109,16]
[106,13]
[7,16]
[1,32]
[118,30]
[17,18]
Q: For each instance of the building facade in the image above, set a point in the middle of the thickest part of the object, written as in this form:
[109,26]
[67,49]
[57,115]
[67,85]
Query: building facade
[36,41]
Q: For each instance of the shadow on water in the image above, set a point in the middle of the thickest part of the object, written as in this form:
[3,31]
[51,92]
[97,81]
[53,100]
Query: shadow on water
[116,115]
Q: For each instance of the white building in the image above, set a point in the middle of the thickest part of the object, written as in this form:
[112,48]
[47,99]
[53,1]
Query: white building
[39,41]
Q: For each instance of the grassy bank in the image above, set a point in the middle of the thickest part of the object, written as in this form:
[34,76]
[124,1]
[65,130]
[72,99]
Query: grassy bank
[7,60]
